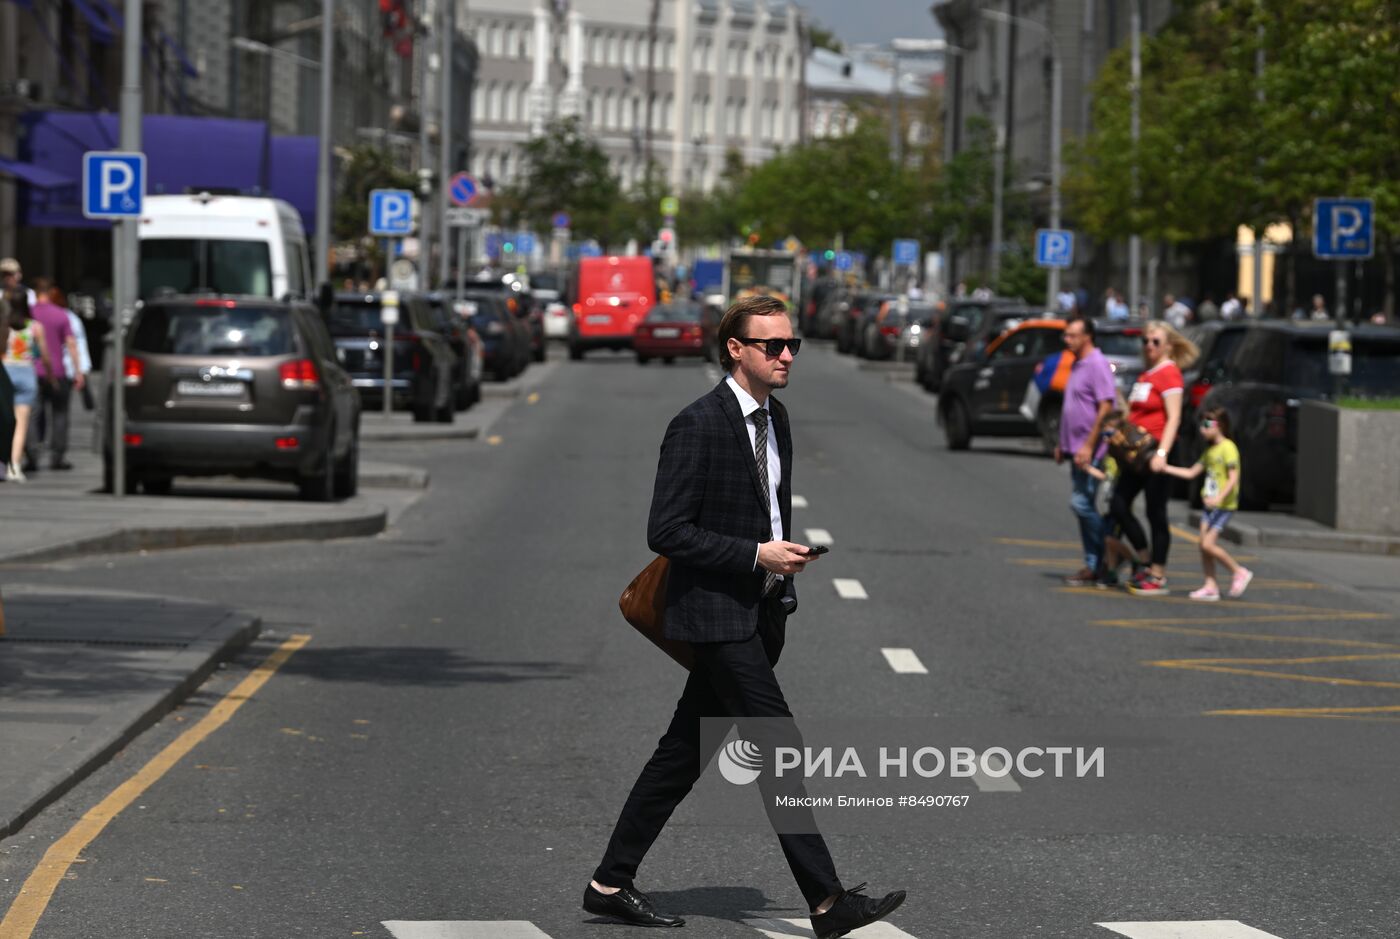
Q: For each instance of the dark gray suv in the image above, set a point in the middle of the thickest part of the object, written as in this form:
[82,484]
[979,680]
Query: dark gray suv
[241,386]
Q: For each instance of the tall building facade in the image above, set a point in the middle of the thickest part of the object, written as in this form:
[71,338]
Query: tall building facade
[675,83]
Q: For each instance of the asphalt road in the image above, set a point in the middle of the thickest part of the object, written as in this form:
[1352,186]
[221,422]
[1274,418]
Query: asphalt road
[454,742]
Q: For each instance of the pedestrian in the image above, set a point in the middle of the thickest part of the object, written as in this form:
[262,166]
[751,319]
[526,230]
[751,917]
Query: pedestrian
[7,390]
[1207,311]
[1221,498]
[1114,306]
[1175,312]
[1231,309]
[720,512]
[83,365]
[25,346]
[55,390]
[1089,398]
[1065,301]
[12,279]
[1319,312]
[1154,406]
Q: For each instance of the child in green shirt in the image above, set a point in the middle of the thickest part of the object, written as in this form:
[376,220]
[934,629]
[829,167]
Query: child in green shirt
[1221,497]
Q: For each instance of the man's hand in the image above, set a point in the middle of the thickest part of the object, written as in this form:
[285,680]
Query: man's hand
[1083,456]
[79,380]
[1059,455]
[783,557]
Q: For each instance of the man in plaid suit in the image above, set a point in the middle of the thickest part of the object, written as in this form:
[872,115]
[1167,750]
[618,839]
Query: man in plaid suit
[720,511]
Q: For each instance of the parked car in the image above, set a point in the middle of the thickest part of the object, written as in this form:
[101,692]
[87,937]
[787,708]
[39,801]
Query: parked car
[525,324]
[897,327]
[611,296]
[550,289]
[816,297]
[466,345]
[220,386]
[676,329]
[963,330]
[503,343]
[862,305]
[831,311]
[1277,366]
[424,363]
[983,395]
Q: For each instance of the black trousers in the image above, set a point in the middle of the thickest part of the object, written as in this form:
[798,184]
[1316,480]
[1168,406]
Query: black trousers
[52,417]
[1156,490]
[733,680]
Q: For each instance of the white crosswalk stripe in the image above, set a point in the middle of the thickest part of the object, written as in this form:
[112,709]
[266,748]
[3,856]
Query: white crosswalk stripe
[904,661]
[849,589]
[989,783]
[799,502]
[816,536]
[465,929]
[802,929]
[1199,929]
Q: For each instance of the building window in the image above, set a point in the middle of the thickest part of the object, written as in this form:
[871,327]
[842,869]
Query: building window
[525,112]
[478,102]
[493,102]
[508,104]
[596,47]
[640,52]
[609,116]
[508,41]
[614,49]
[668,116]
[526,34]
[636,113]
[626,53]
[590,113]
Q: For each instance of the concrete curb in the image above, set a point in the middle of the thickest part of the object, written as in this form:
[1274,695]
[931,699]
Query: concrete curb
[102,739]
[371,521]
[1243,533]
[410,432]
[390,476]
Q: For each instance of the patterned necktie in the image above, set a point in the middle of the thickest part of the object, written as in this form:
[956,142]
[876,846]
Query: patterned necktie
[760,456]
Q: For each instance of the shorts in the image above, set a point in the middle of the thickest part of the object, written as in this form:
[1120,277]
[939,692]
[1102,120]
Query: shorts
[26,384]
[1216,519]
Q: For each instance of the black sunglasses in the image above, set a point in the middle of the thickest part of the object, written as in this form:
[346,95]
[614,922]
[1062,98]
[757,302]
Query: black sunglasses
[773,347]
[1154,341]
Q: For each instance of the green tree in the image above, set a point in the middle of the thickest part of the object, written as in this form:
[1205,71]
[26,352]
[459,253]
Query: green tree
[565,170]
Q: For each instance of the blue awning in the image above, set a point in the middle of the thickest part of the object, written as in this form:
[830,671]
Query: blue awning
[34,175]
[100,26]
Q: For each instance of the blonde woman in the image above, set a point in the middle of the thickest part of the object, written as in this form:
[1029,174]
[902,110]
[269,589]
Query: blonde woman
[1154,404]
[23,347]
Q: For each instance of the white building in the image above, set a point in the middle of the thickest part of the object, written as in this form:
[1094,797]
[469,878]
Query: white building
[839,84]
[719,75]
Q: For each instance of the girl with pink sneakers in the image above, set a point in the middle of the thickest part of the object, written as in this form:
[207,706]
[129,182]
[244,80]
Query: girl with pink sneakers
[1221,496]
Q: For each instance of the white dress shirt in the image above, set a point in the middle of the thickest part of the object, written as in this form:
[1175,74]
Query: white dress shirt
[747,405]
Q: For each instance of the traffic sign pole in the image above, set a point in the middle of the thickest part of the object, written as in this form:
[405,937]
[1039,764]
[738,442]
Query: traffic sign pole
[126,252]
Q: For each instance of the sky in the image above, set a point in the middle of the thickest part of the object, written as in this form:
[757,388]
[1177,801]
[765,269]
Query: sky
[874,20]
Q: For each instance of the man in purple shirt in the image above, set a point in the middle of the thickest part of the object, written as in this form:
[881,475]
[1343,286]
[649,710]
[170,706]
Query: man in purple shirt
[54,387]
[1089,398]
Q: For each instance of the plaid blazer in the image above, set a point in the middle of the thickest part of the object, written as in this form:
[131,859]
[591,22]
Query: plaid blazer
[708,515]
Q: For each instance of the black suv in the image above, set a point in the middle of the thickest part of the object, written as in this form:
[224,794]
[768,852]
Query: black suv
[235,386]
[962,332]
[424,363]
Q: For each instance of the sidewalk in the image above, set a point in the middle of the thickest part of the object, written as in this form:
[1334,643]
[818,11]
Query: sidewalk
[1283,530]
[83,673]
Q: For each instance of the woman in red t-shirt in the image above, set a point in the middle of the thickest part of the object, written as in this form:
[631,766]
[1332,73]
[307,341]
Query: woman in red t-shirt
[1154,404]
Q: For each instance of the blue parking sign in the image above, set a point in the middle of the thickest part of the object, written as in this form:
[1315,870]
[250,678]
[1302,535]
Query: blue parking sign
[1054,247]
[844,261]
[113,183]
[525,242]
[1343,229]
[390,212]
[906,252]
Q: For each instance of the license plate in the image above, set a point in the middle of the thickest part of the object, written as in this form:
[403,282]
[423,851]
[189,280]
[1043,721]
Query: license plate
[210,389]
[665,333]
[598,320]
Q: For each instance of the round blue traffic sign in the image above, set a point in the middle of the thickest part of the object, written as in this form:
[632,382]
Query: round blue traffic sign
[463,189]
[561,219]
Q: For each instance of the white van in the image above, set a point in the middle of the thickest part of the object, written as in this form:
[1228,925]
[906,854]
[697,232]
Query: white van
[223,244]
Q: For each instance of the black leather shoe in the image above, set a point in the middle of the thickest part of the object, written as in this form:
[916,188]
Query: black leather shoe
[60,465]
[852,910]
[629,906]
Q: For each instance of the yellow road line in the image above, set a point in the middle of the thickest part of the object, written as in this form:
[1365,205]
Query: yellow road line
[1197,604]
[533,398]
[1034,543]
[1251,637]
[1313,712]
[1306,660]
[39,888]
[1263,673]
[1048,562]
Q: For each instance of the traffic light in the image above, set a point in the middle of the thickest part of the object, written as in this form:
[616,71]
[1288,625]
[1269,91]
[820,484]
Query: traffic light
[829,255]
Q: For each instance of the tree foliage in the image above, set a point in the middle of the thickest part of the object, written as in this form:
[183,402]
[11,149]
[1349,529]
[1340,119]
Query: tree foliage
[366,167]
[562,170]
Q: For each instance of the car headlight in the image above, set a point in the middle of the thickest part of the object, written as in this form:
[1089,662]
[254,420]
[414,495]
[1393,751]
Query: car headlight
[915,329]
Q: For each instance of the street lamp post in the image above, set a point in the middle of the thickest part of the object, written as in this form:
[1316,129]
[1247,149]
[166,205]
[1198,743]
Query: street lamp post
[1052,278]
[323,147]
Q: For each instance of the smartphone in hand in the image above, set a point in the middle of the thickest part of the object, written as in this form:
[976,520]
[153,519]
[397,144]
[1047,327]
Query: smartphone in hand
[818,551]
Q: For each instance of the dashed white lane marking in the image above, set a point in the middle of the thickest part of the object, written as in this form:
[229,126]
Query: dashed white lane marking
[849,589]
[799,502]
[802,929]
[904,661]
[817,536]
[1201,929]
[989,783]
[465,929]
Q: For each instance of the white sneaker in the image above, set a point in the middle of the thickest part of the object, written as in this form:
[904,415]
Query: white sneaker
[14,474]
